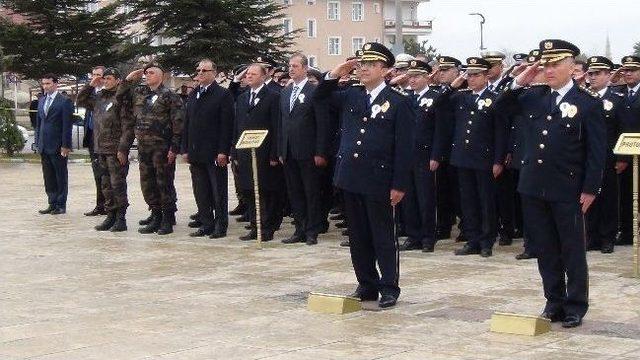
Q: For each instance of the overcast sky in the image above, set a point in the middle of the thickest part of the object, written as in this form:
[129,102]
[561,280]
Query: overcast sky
[518,26]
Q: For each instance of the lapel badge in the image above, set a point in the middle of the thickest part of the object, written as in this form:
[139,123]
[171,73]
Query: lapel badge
[301,98]
[375,109]
[426,102]
[481,104]
[608,105]
[154,98]
[572,111]
[385,106]
[109,105]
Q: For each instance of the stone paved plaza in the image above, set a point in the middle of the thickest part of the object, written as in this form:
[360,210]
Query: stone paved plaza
[68,292]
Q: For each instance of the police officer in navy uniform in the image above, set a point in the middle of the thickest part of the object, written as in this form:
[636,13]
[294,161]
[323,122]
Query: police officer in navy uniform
[419,203]
[447,192]
[631,73]
[515,156]
[372,168]
[561,175]
[602,218]
[478,150]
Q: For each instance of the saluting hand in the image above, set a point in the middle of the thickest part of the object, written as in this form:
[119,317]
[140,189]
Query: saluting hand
[343,69]
[459,80]
[529,74]
[96,81]
[135,75]
[519,69]
[398,79]
[586,200]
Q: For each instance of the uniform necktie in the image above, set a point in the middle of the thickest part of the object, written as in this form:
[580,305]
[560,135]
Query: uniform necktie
[554,98]
[294,96]
[490,87]
[253,98]
[630,94]
[200,92]
[47,103]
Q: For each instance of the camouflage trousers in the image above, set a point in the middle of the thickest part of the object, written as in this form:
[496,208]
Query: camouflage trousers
[157,178]
[113,182]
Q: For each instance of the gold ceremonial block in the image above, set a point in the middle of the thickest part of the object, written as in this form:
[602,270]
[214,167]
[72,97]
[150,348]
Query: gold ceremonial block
[628,144]
[519,324]
[333,304]
[251,139]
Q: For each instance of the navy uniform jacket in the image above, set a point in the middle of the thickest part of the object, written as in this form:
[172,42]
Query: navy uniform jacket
[375,152]
[516,142]
[53,130]
[479,134]
[633,107]
[426,128]
[564,153]
[303,131]
[618,119]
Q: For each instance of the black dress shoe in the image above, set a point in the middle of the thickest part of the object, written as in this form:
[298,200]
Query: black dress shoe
[345,232]
[242,218]
[345,243]
[311,240]
[335,210]
[249,226]
[294,239]
[193,216]
[525,256]
[593,246]
[239,210]
[553,316]
[341,225]
[428,247]
[201,232]
[252,235]
[195,224]
[325,228]
[467,250]
[58,211]
[47,210]
[443,234]
[607,248]
[98,210]
[217,234]
[517,234]
[505,240]
[267,236]
[486,252]
[410,244]
[365,295]
[387,301]
[571,321]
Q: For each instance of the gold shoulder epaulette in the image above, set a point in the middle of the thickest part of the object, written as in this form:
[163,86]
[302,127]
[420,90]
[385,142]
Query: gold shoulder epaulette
[589,91]
[399,91]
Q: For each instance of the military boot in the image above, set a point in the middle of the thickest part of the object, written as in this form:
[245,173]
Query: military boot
[146,221]
[108,222]
[154,224]
[121,221]
[166,227]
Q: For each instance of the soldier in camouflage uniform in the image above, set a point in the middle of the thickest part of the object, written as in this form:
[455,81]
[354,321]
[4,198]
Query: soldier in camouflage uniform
[158,115]
[109,117]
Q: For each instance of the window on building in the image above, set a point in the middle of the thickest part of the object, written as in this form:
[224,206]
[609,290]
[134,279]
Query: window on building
[311,2]
[313,60]
[311,28]
[333,10]
[376,8]
[356,44]
[357,11]
[287,26]
[335,46]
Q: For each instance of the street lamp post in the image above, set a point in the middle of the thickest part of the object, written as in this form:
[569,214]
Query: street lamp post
[482,21]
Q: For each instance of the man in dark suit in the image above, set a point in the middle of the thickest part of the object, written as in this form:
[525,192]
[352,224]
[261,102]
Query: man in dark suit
[87,141]
[564,158]
[258,108]
[53,141]
[631,72]
[206,146]
[373,167]
[302,149]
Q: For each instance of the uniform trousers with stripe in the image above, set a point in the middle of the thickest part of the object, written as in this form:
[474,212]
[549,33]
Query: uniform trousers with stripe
[372,240]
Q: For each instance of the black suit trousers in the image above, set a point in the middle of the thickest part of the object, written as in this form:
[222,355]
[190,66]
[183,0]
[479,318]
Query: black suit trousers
[210,190]
[477,198]
[419,206]
[56,179]
[557,230]
[372,239]
[304,187]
